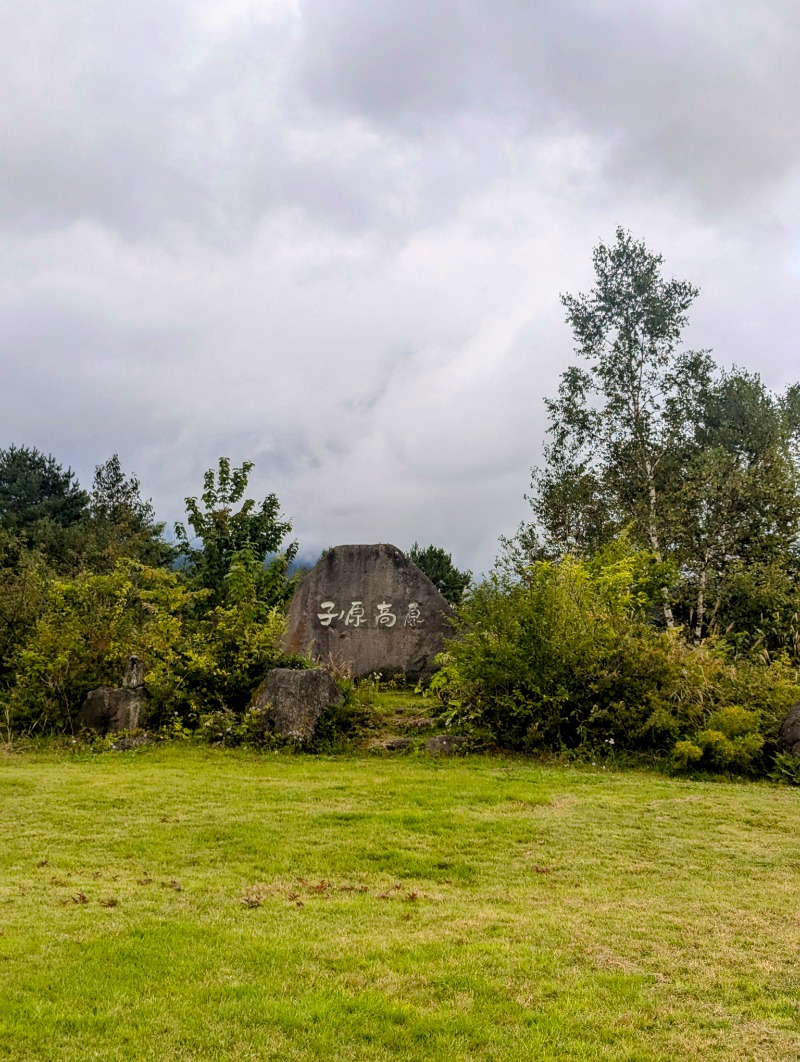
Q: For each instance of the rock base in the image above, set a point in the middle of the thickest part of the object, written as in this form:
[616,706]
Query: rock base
[111,709]
[294,700]
[447,745]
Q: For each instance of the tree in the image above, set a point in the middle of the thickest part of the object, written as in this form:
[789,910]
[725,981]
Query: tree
[735,508]
[122,524]
[42,508]
[700,466]
[228,649]
[615,421]
[24,581]
[226,532]
[437,564]
[35,490]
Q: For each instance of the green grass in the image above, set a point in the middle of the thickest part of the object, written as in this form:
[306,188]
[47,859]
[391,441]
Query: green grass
[395,713]
[394,908]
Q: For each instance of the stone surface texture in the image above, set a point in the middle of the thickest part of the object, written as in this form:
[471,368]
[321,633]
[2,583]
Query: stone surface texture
[112,708]
[446,745]
[294,700]
[789,738]
[133,679]
[369,609]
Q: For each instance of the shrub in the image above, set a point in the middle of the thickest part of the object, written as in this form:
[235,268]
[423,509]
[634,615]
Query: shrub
[226,727]
[86,631]
[730,742]
[560,656]
[198,660]
[566,658]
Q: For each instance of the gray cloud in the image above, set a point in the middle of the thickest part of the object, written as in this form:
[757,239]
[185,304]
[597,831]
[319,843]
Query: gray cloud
[330,237]
[707,92]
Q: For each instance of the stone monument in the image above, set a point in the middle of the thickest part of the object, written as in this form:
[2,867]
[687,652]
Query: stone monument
[117,708]
[369,609]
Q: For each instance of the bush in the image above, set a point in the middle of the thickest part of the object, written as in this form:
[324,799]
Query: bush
[730,742]
[226,727]
[198,660]
[87,629]
[565,658]
[739,705]
[340,723]
[561,656]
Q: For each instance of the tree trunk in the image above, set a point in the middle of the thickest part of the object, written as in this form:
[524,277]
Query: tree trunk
[652,534]
[701,605]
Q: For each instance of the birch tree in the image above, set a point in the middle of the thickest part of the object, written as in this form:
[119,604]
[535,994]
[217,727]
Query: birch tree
[619,415]
[699,466]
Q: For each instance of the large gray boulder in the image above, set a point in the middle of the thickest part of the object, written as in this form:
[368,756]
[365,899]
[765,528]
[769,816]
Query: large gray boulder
[294,700]
[113,708]
[369,609]
[789,738]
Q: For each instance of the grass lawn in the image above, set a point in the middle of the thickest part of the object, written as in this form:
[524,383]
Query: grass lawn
[188,903]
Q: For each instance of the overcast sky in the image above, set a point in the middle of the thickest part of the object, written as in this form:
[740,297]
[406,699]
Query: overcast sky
[330,236]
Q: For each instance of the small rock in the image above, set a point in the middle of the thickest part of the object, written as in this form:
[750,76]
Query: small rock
[113,708]
[110,709]
[446,745]
[133,741]
[391,744]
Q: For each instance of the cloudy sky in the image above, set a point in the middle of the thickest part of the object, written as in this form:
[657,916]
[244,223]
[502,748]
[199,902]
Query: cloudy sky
[329,236]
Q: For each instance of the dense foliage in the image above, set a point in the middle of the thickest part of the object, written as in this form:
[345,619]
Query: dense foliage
[437,564]
[72,611]
[652,603]
[565,657]
[699,465]
[650,606]
[224,533]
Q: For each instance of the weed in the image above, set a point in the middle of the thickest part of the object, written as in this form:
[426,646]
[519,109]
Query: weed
[786,769]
